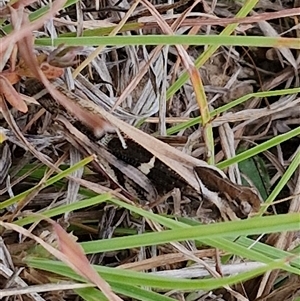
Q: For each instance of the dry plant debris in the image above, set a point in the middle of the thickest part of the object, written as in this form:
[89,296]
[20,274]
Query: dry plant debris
[51,124]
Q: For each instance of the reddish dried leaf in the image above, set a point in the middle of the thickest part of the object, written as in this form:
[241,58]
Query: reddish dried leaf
[11,95]
[68,245]
[21,3]
[11,76]
[80,263]
[51,72]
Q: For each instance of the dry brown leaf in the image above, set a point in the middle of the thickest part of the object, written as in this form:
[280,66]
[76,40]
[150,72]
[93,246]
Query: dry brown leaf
[11,76]
[50,71]
[71,254]
[79,263]
[11,95]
